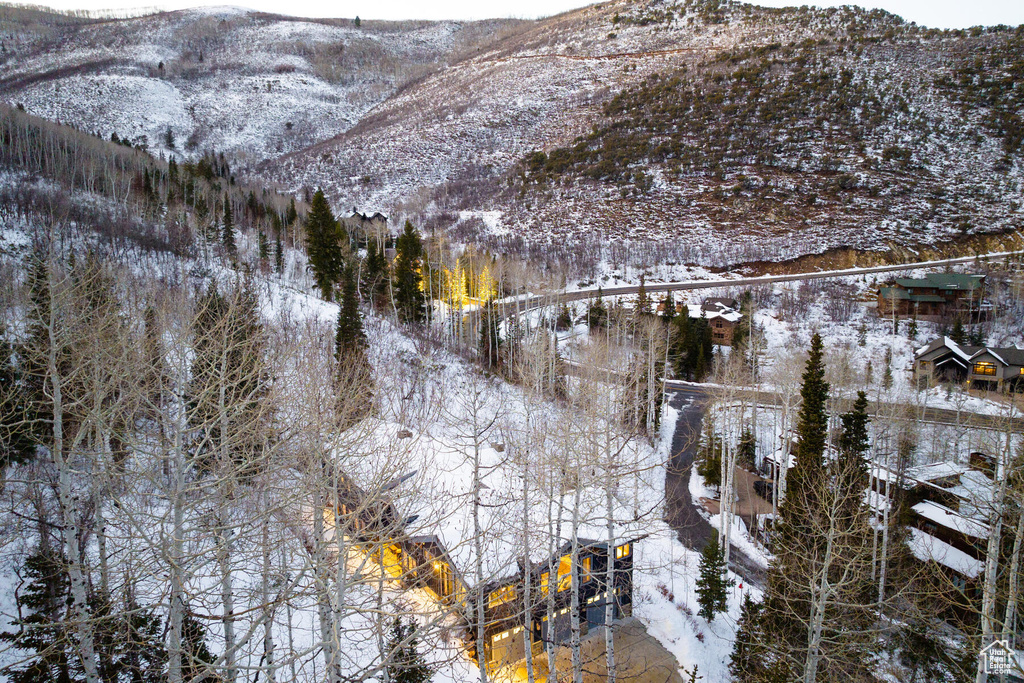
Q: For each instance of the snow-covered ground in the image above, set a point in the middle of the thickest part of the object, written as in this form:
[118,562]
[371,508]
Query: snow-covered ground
[435,395]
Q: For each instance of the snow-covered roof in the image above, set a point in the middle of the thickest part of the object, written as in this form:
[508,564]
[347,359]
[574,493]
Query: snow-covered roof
[964,352]
[696,311]
[883,473]
[935,471]
[777,456]
[928,548]
[943,516]
[876,501]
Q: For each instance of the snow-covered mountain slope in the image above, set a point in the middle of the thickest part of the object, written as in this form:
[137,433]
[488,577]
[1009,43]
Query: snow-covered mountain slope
[700,131]
[249,84]
[840,127]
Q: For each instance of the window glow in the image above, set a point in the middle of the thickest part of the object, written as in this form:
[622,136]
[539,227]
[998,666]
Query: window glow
[983,368]
[501,596]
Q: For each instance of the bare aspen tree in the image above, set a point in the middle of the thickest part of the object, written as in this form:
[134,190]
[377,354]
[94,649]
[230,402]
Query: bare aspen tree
[55,323]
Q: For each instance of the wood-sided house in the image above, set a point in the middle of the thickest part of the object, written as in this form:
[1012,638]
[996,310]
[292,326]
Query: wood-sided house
[945,507]
[981,367]
[720,313]
[373,526]
[935,297]
[507,627]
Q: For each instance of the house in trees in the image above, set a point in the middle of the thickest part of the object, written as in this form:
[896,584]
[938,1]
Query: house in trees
[373,527]
[945,360]
[937,297]
[505,601]
[997,369]
[982,367]
[946,506]
[360,225]
[723,316]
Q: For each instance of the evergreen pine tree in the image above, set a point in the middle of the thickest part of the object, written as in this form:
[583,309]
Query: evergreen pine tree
[17,444]
[668,308]
[405,663]
[356,387]
[958,334]
[375,274]
[912,329]
[490,336]
[812,420]
[976,336]
[679,352]
[129,643]
[263,246]
[709,461]
[819,601]
[41,630]
[291,215]
[278,254]
[853,445]
[746,451]
[748,661]
[229,355]
[643,302]
[142,656]
[713,583]
[410,300]
[196,655]
[350,340]
[323,245]
[564,320]
[597,314]
[229,227]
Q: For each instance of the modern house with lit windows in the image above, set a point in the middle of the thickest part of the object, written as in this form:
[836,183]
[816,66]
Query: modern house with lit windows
[549,600]
[373,526]
[981,367]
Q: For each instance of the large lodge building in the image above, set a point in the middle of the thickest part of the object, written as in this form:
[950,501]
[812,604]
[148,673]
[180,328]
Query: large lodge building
[375,527]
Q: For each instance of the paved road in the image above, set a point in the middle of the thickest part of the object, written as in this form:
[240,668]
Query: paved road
[680,510]
[967,419]
[531,302]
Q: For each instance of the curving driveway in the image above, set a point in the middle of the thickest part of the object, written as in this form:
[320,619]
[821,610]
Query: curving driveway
[680,509]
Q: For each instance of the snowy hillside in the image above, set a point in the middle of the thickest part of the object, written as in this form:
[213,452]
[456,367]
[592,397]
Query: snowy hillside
[249,84]
[818,129]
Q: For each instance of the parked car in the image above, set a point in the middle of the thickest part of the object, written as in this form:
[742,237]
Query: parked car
[764,489]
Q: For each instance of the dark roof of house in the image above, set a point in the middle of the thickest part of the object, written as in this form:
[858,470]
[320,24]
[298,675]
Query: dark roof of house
[363,216]
[962,350]
[717,302]
[1010,355]
[944,281]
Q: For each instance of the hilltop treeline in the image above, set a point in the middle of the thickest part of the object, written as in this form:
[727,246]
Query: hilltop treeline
[169,203]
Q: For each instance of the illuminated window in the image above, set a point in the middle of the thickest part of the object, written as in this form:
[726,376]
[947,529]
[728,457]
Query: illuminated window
[622,551]
[585,570]
[497,637]
[564,573]
[985,369]
[501,596]
[544,583]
